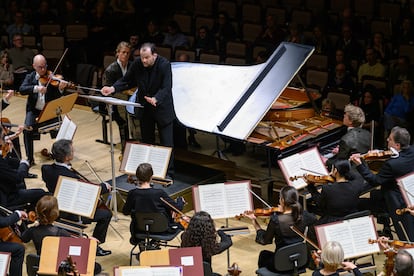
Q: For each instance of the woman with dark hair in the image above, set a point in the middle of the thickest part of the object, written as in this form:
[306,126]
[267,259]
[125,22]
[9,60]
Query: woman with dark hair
[201,231]
[278,229]
[337,199]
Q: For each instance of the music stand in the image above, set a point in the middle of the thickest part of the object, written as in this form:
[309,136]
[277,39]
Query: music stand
[109,101]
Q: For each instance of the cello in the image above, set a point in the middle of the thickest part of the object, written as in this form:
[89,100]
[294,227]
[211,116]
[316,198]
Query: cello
[7,234]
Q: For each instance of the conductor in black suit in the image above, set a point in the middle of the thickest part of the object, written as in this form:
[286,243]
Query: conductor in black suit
[152,75]
[40,92]
[395,167]
[62,152]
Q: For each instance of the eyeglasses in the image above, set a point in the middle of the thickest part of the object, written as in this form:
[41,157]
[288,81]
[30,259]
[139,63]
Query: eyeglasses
[40,67]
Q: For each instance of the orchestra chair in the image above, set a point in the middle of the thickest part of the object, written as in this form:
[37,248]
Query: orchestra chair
[293,257]
[32,264]
[151,228]
[208,271]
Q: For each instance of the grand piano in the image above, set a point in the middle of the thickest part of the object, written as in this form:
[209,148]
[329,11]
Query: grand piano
[255,103]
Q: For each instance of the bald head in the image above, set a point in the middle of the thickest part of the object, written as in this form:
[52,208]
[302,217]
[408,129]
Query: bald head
[40,64]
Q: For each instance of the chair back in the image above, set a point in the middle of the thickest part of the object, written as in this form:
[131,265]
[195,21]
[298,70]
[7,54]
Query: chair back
[358,214]
[151,222]
[291,257]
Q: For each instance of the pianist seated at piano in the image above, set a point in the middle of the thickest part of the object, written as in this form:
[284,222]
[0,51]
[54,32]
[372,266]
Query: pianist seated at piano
[355,140]
[336,200]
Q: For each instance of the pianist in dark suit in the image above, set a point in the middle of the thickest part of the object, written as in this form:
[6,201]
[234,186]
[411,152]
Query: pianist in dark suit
[40,91]
[62,152]
[356,140]
[393,168]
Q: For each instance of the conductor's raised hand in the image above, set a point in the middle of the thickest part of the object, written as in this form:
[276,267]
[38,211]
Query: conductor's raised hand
[107,90]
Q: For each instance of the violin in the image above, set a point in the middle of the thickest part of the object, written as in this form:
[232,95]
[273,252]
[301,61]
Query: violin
[234,270]
[402,211]
[178,216]
[261,212]
[316,179]
[379,155]
[54,80]
[394,243]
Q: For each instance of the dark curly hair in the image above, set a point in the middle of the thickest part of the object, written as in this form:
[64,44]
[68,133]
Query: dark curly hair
[201,231]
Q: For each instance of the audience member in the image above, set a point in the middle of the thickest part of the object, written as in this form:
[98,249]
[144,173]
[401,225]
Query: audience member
[339,58]
[70,14]
[153,33]
[18,27]
[63,154]
[401,104]
[348,43]
[341,81]
[272,34]
[400,71]
[372,68]
[320,41]
[201,231]
[223,31]
[295,33]
[380,47]
[43,15]
[370,104]
[134,42]
[21,58]
[204,42]
[6,71]
[175,37]
[405,33]
[278,229]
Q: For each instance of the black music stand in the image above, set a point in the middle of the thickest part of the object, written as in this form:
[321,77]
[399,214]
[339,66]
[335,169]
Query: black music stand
[110,102]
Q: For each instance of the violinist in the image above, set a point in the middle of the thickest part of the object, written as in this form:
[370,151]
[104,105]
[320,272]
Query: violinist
[278,228]
[13,190]
[63,154]
[16,249]
[386,178]
[37,86]
[338,199]
[47,212]
[356,139]
[144,198]
[201,231]
[402,264]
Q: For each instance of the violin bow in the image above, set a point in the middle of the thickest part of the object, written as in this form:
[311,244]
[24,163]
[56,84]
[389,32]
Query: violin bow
[294,229]
[258,197]
[172,207]
[56,67]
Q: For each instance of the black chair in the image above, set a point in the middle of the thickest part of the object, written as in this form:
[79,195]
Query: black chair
[288,260]
[32,264]
[151,231]
[208,271]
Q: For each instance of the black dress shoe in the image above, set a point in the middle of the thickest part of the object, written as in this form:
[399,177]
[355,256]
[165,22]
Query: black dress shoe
[102,252]
[31,175]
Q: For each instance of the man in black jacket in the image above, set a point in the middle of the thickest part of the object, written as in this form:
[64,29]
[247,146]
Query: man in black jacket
[40,92]
[152,74]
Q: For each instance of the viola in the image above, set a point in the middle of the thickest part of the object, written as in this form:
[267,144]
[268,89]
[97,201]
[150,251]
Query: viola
[316,179]
[8,235]
[394,243]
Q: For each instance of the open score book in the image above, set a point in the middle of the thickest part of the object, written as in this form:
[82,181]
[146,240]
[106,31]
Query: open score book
[305,162]
[406,185]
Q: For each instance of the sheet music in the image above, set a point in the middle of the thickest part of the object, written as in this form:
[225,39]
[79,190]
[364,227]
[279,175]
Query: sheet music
[4,263]
[223,200]
[406,184]
[353,235]
[77,197]
[67,129]
[157,156]
[308,161]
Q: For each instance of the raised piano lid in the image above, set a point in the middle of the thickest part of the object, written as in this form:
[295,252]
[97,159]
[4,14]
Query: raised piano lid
[231,100]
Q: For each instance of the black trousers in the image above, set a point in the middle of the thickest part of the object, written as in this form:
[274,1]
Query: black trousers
[17,257]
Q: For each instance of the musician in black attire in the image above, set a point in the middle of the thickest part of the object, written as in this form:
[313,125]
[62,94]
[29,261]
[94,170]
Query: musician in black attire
[13,190]
[152,74]
[390,171]
[147,199]
[336,200]
[39,93]
[278,228]
[16,249]
[62,152]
